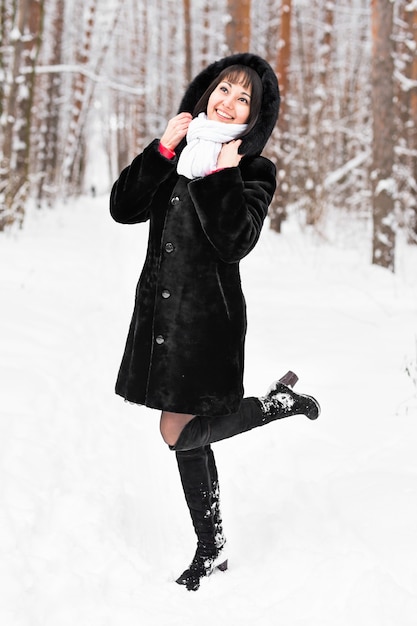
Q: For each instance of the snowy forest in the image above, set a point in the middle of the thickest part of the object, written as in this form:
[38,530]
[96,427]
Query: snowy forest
[88,82]
[320,516]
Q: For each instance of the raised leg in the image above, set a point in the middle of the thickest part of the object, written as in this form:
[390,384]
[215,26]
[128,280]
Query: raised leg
[280,401]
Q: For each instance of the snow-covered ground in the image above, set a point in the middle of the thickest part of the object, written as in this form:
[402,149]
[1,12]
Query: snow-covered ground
[321,517]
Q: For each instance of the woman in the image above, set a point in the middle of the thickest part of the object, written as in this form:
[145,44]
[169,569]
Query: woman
[205,190]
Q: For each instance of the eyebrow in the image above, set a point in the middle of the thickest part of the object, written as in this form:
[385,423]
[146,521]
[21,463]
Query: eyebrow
[243,93]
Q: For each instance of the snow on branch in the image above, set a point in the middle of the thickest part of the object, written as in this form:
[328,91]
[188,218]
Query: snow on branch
[79,69]
[406,83]
[386,185]
[341,172]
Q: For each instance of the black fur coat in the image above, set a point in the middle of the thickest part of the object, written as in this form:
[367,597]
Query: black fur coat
[185,346]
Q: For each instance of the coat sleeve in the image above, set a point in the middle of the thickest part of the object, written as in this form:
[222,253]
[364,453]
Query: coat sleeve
[133,192]
[232,204]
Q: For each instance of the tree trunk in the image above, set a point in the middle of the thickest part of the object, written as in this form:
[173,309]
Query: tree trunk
[75,146]
[24,43]
[277,210]
[187,41]
[383,248]
[238,26]
[48,131]
[138,58]
[411,112]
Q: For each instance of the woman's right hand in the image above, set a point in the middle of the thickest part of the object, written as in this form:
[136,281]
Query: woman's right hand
[176,130]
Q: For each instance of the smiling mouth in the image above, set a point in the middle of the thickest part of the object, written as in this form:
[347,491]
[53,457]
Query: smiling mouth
[223,115]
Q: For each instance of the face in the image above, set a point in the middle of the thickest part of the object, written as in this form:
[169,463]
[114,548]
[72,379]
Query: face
[229,103]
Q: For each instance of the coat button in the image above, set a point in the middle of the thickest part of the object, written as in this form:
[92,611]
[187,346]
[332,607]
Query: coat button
[166,293]
[175,200]
[159,339]
[169,247]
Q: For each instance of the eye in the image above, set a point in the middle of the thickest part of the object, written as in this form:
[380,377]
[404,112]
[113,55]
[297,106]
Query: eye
[223,88]
[244,100]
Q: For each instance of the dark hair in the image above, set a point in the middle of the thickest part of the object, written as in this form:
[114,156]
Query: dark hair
[242,75]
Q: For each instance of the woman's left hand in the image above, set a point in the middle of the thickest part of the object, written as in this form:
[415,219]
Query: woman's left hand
[229,156]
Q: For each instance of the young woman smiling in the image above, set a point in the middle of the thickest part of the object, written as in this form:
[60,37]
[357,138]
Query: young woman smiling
[205,189]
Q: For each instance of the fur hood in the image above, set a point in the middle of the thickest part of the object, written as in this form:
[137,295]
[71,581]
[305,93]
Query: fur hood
[254,142]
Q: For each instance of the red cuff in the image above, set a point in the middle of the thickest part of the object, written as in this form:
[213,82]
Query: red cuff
[219,169]
[166,152]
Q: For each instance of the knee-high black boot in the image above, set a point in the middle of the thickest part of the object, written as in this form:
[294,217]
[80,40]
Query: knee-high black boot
[280,401]
[199,479]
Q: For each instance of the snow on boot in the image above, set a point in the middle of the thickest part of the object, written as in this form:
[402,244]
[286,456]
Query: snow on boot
[200,483]
[282,401]
[203,430]
[202,565]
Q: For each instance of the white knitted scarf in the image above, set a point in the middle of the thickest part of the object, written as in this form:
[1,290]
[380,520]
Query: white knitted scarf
[204,141]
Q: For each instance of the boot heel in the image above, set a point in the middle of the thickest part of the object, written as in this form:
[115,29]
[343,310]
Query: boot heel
[289,379]
[223,566]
